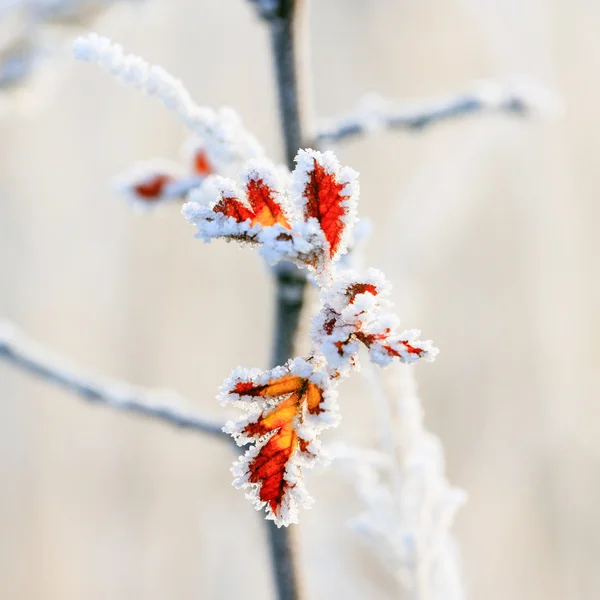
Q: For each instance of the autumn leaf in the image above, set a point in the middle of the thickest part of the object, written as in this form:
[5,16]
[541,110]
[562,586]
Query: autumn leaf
[243,214]
[234,208]
[262,199]
[327,194]
[201,165]
[150,182]
[286,409]
[356,310]
[152,189]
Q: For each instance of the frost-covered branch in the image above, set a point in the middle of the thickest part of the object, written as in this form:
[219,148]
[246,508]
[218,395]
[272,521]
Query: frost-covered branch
[167,407]
[375,113]
[221,129]
[408,503]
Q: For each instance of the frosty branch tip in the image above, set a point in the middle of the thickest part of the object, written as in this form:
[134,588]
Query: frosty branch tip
[375,113]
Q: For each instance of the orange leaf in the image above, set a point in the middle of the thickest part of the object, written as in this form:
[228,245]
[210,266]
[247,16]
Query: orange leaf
[288,407]
[262,200]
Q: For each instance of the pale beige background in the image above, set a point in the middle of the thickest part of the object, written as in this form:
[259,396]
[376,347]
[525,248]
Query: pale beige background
[488,228]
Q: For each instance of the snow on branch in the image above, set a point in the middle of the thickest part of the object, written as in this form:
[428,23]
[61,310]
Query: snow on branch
[408,504]
[222,129]
[375,113]
[168,407]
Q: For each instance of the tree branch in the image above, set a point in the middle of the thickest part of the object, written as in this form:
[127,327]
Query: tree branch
[375,113]
[283,18]
[284,26]
[166,407]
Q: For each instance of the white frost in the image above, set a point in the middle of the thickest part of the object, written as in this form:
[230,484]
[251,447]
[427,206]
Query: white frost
[409,506]
[221,131]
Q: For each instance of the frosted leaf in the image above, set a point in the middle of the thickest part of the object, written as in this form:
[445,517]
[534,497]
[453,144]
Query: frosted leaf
[355,310]
[326,194]
[284,410]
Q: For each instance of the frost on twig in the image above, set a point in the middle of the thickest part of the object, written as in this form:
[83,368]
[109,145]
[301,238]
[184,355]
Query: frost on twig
[409,506]
[354,312]
[219,140]
[221,129]
[376,113]
[164,406]
[305,217]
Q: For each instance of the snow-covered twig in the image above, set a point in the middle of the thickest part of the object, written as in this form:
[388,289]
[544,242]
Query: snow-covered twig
[408,503]
[222,129]
[167,407]
[375,113]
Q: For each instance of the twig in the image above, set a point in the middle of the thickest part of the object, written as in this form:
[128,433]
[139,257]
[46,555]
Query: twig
[283,19]
[375,113]
[290,289]
[163,406]
[284,25]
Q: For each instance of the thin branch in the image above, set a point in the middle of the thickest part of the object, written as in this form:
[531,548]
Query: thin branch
[283,18]
[284,27]
[375,113]
[166,407]
[290,288]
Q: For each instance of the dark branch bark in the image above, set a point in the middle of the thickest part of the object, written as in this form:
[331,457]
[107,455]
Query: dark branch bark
[285,29]
[290,281]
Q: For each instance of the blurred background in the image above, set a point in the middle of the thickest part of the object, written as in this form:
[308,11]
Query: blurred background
[487,226]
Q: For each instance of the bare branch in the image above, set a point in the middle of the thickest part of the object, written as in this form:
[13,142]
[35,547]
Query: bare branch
[163,406]
[375,113]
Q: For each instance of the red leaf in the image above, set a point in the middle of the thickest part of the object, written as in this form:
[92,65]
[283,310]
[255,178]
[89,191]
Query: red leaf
[231,207]
[360,288]
[327,194]
[323,202]
[262,200]
[201,163]
[267,469]
[152,188]
[287,401]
